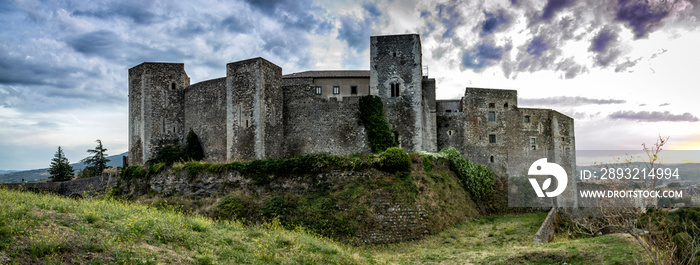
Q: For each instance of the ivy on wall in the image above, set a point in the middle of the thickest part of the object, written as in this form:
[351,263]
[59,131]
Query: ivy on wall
[477,179]
[372,115]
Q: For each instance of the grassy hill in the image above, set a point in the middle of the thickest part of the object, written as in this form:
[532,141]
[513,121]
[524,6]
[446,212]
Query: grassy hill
[43,174]
[38,228]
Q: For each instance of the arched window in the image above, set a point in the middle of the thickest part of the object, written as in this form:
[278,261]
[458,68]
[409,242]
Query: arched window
[505,106]
[491,159]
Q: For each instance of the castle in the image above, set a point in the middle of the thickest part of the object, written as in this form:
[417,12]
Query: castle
[256,112]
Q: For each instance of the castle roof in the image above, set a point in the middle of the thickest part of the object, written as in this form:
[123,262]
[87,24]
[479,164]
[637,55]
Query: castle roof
[330,74]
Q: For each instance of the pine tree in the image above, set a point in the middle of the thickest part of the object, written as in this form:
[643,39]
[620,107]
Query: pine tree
[60,168]
[98,161]
[193,150]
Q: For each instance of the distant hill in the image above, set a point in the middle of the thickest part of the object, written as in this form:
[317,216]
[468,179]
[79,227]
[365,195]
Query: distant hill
[14,176]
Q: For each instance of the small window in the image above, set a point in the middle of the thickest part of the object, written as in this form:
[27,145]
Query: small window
[394,90]
[492,105]
[448,110]
[478,120]
[394,54]
[562,139]
[492,138]
[353,90]
[527,118]
[491,159]
[172,86]
[532,140]
[450,132]
[534,147]
[336,90]
[505,106]
[318,90]
[492,116]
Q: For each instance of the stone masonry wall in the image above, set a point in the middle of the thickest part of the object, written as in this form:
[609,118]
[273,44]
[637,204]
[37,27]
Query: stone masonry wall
[156,108]
[429,116]
[398,60]
[254,110]
[205,114]
[318,125]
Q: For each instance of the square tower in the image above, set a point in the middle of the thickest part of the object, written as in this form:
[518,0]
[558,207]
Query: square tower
[396,76]
[254,128]
[156,108]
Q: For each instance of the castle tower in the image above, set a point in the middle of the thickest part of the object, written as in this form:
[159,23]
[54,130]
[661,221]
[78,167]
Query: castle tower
[254,128]
[396,76]
[156,108]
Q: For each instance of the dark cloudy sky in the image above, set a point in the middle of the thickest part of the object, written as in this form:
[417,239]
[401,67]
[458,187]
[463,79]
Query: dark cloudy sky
[626,70]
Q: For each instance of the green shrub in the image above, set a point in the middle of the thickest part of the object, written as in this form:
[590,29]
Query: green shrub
[427,164]
[684,247]
[237,206]
[192,150]
[394,159]
[477,179]
[169,154]
[372,115]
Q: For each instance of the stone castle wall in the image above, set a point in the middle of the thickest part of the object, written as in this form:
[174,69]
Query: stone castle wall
[254,113]
[397,60]
[205,114]
[156,108]
[318,125]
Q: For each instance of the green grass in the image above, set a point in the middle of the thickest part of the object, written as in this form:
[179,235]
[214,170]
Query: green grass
[49,229]
[506,239]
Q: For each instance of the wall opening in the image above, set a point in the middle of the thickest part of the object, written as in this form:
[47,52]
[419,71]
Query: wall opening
[397,138]
[527,118]
[492,116]
[394,90]
[450,132]
[505,106]
[491,159]
[492,105]
[353,90]
[172,85]
[492,138]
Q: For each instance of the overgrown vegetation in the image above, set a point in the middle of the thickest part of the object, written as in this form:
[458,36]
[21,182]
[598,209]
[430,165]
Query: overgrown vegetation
[49,229]
[392,160]
[372,115]
[191,151]
[478,180]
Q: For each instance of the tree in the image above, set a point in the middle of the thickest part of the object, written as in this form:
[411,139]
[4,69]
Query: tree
[193,150]
[98,161]
[648,229]
[60,168]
